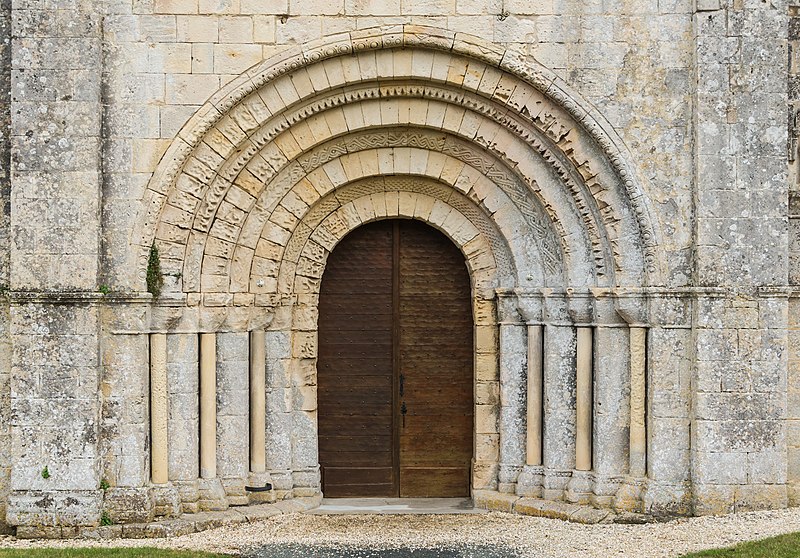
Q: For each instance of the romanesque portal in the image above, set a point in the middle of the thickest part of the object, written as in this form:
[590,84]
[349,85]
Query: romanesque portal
[397,259]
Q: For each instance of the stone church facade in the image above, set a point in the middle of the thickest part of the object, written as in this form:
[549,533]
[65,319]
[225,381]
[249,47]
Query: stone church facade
[618,175]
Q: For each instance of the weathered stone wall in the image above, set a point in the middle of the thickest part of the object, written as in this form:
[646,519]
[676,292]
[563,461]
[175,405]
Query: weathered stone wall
[5,252]
[742,249]
[793,411]
[56,168]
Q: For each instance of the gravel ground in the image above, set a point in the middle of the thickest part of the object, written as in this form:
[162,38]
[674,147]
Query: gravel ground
[510,535]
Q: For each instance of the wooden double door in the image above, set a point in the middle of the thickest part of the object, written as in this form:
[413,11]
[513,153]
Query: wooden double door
[395,366]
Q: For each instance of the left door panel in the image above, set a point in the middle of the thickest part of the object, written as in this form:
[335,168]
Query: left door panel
[354,392]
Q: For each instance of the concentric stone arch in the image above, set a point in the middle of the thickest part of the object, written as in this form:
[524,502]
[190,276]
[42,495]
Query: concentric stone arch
[402,122]
[260,133]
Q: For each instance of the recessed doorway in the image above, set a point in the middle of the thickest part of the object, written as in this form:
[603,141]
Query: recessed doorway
[395,365]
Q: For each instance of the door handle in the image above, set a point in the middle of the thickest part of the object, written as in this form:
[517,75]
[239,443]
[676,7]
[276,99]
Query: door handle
[403,411]
[402,385]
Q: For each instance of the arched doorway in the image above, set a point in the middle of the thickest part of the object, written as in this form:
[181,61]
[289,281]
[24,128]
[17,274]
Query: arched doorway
[395,364]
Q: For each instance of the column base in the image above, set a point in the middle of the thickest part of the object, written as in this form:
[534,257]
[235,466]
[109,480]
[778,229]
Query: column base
[189,495]
[579,488]
[282,483]
[235,492]
[529,482]
[604,490]
[260,480]
[211,495]
[629,496]
[554,483]
[166,500]
[507,476]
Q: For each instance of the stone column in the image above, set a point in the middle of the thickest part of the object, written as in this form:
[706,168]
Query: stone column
[159,456]
[579,488]
[529,482]
[184,414]
[258,478]
[611,435]
[560,346]
[583,404]
[233,414]
[278,435]
[638,433]
[535,386]
[513,376]
[212,494]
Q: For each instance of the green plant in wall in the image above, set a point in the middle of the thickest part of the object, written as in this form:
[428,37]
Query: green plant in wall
[104,289]
[155,279]
[45,473]
[105,519]
[104,485]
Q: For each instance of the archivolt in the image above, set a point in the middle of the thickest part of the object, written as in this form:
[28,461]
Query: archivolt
[297,125]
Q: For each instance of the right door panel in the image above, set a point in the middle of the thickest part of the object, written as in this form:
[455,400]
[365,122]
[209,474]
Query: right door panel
[435,365]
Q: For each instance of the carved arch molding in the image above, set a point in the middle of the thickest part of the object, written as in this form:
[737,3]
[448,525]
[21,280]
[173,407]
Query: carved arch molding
[491,148]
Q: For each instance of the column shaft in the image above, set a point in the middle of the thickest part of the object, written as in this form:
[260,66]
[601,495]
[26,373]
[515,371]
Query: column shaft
[583,445]
[535,385]
[257,402]
[158,409]
[208,405]
[638,434]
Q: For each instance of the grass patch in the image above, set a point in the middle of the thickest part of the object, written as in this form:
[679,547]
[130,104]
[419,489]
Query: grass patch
[782,546]
[143,552]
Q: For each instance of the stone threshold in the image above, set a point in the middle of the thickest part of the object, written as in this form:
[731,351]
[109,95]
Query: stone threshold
[175,527]
[575,513]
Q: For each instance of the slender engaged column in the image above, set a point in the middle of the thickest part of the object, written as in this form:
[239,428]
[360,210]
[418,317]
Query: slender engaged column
[208,405]
[583,445]
[638,434]
[257,402]
[159,457]
[535,386]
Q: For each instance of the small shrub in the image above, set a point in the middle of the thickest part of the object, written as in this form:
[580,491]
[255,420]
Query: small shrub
[105,519]
[45,473]
[155,279]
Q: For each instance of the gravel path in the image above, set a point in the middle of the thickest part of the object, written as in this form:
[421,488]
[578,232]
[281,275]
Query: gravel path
[512,535]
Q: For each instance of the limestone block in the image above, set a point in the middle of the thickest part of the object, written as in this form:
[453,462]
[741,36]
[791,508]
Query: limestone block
[754,497]
[495,501]
[58,508]
[129,505]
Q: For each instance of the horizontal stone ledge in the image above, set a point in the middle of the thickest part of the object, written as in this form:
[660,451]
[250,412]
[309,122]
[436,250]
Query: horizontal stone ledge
[511,503]
[183,525]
